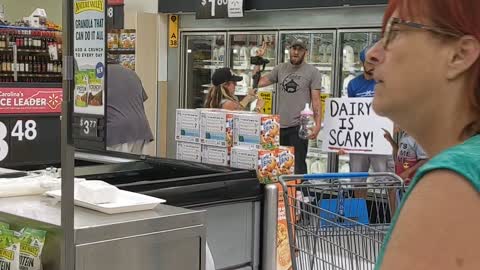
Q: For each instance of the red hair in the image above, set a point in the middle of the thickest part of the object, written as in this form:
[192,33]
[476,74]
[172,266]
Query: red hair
[457,15]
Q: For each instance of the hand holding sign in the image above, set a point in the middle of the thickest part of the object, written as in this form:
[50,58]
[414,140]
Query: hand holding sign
[352,126]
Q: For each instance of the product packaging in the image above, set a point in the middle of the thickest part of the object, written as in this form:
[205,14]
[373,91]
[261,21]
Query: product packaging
[9,250]
[112,40]
[243,157]
[31,246]
[284,260]
[257,131]
[215,155]
[189,151]
[273,163]
[4,225]
[133,39]
[95,89]
[216,127]
[286,160]
[127,39]
[81,91]
[187,126]
[267,168]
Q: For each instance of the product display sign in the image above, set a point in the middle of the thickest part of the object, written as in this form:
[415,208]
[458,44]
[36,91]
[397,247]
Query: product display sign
[216,9]
[29,139]
[89,51]
[267,97]
[352,125]
[15,100]
[323,100]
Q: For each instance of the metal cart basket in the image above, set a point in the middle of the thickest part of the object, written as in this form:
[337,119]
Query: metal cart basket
[337,220]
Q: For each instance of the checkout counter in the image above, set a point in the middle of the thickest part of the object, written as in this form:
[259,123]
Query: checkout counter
[219,205]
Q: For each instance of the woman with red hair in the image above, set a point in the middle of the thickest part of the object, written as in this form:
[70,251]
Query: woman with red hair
[427,68]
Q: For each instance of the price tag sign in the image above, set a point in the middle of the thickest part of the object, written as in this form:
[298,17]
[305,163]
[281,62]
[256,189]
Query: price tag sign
[89,127]
[29,140]
[212,9]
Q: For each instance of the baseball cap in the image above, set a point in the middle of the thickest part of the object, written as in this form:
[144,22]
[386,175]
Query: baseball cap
[223,75]
[363,53]
[299,43]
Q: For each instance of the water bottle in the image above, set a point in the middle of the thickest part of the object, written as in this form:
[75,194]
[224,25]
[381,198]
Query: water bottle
[306,123]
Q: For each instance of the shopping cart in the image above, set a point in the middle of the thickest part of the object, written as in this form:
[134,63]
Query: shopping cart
[335,222]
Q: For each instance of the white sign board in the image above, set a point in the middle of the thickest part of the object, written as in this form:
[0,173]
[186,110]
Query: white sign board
[235,8]
[89,52]
[352,125]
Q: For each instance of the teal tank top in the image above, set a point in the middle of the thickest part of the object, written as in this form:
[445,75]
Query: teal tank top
[463,159]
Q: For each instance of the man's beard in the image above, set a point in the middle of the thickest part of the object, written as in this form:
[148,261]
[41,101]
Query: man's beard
[298,62]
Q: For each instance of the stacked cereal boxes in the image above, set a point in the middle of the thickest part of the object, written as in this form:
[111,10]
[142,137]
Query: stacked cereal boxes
[256,144]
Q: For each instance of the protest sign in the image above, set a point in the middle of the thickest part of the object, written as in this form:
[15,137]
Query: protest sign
[352,125]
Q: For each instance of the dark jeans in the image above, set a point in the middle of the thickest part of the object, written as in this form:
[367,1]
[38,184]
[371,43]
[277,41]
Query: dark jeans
[289,137]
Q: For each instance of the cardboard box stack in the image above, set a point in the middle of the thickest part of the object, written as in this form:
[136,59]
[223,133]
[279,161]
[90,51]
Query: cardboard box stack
[187,135]
[189,151]
[187,126]
[216,136]
[241,140]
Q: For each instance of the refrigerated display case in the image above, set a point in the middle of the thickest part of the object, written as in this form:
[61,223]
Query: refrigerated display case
[321,54]
[351,43]
[203,53]
[244,45]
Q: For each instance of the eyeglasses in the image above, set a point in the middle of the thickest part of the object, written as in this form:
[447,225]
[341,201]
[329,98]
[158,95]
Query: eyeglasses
[390,32]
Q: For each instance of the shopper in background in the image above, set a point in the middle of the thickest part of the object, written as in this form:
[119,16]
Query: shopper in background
[299,83]
[409,156]
[363,86]
[427,69]
[222,93]
[127,126]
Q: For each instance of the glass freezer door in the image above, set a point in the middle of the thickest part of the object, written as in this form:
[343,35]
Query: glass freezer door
[321,54]
[244,45]
[351,43]
[203,54]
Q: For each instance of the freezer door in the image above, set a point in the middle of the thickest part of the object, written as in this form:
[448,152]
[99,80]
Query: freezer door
[321,54]
[242,46]
[202,54]
[351,43]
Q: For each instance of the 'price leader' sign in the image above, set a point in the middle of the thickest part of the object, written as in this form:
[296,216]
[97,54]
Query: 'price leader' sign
[215,9]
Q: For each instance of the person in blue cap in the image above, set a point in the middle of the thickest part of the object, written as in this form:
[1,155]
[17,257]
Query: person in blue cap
[364,84]
[361,87]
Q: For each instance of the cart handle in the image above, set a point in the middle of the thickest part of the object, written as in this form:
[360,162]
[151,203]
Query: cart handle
[336,175]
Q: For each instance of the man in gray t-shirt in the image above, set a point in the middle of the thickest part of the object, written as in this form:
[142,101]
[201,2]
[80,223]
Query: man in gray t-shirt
[127,126]
[298,83]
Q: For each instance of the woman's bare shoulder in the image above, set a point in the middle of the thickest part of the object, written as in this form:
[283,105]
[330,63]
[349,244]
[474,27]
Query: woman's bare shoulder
[437,227]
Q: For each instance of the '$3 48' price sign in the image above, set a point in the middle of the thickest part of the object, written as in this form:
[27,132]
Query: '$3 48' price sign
[21,131]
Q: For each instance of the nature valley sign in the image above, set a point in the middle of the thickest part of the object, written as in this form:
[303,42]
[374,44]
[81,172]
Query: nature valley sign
[89,5]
